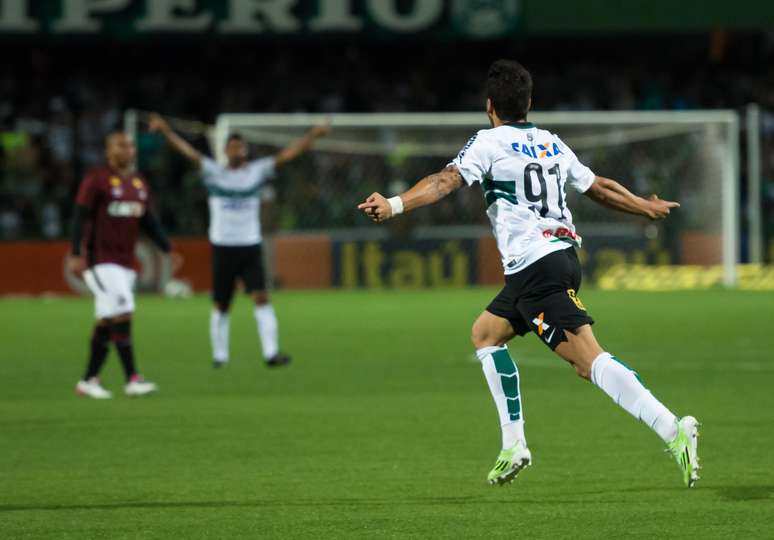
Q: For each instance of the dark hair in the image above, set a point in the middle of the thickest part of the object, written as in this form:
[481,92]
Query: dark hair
[235,137]
[509,87]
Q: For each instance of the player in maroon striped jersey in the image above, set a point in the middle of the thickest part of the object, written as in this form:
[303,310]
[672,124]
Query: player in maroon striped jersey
[111,208]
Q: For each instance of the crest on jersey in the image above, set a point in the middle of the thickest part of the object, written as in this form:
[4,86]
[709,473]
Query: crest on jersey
[140,187]
[115,187]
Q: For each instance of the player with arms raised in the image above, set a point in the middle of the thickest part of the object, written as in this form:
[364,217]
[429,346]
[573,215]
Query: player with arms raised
[235,231]
[111,207]
[523,171]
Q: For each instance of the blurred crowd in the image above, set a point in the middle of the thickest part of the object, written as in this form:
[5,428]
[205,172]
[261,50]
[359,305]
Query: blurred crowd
[58,100]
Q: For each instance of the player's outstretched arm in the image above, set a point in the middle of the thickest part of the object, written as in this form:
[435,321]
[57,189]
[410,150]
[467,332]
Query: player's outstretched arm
[427,191]
[613,195]
[157,124]
[302,145]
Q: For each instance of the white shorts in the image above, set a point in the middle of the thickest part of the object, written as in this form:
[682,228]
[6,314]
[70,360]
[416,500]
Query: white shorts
[113,288]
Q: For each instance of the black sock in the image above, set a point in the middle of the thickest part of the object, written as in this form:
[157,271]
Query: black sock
[122,337]
[100,340]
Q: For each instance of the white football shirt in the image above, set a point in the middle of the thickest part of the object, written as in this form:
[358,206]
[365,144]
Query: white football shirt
[523,172]
[233,200]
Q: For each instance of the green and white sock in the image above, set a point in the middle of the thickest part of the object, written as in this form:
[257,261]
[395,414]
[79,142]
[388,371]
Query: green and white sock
[623,385]
[502,375]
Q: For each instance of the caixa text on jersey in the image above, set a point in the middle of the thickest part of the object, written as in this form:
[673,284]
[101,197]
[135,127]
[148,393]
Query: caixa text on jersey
[541,151]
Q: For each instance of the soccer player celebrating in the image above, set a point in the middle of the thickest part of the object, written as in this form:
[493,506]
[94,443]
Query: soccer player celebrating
[111,206]
[523,171]
[235,231]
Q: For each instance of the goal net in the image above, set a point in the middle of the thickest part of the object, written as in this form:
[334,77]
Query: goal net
[690,156]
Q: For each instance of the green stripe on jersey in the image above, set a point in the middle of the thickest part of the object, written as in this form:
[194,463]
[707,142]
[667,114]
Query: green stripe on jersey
[520,125]
[498,189]
[217,191]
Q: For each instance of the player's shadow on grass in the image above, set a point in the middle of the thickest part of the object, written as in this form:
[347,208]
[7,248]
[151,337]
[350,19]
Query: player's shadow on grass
[127,505]
[746,493]
[733,493]
[354,502]
[239,504]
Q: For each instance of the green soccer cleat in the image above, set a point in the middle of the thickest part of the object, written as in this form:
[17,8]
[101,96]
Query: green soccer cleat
[684,449]
[509,464]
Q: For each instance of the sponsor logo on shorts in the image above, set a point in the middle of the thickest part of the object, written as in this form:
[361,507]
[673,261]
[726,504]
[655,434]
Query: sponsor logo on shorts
[575,300]
[549,336]
[542,326]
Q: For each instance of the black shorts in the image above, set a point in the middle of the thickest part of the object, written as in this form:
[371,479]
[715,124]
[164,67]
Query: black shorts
[543,298]
[232,262]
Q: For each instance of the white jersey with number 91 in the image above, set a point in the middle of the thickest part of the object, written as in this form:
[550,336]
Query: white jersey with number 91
[523,172]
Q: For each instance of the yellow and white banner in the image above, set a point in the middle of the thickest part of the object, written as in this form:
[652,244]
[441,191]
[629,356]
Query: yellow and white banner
[640,277]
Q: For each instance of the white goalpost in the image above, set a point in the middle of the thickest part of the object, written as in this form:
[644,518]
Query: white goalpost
[692,156]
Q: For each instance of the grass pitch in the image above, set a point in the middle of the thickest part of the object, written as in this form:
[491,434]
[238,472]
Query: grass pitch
[383,426]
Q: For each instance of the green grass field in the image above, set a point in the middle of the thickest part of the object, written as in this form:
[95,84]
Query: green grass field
[383,427]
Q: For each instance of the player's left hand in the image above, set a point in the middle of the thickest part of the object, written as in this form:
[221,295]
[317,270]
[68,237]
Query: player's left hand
[377,207]
[658,208]
[77,264]
[175,261]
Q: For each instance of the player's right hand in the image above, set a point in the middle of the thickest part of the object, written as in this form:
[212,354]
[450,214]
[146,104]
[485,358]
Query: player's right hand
[658,208]
[156,123]
[322,129]
[377,207]
[76,264]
